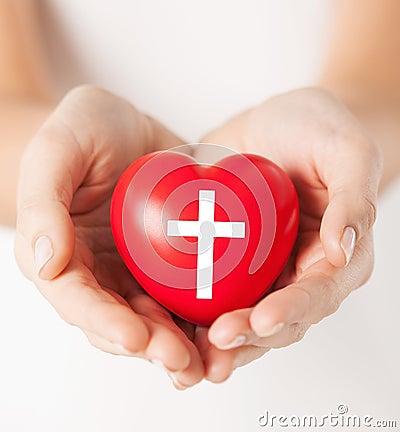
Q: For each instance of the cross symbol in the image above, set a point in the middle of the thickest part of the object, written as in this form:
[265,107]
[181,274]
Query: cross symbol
[205,229]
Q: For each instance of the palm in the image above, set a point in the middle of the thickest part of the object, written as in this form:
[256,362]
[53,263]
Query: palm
[302,133]
[96,253]
[98,263]
[308,250]
[90,139]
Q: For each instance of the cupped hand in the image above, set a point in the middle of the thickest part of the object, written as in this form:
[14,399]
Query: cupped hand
[64,242]
[336,170]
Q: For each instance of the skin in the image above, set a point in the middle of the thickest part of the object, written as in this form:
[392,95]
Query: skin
[68,200]
[27,92]
[332,151]
[290,130]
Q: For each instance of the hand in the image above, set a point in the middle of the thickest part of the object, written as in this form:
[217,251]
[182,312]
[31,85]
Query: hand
[336,170]
[64,242]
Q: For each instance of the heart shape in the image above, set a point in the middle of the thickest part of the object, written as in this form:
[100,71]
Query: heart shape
[204,239]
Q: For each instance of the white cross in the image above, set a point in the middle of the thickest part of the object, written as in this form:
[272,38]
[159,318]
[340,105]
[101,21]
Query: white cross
[205,229]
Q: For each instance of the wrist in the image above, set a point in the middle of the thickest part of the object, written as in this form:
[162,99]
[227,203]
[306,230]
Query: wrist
[379,112]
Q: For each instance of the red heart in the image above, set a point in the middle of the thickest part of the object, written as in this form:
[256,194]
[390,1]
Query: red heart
[204,240]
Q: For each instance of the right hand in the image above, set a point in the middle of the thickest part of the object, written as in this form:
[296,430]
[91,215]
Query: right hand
[64,242]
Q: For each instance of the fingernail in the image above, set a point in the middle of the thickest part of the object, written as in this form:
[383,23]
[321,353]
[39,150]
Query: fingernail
[237,342]
[274,330]
[178,385]
[43,253]
[348,242]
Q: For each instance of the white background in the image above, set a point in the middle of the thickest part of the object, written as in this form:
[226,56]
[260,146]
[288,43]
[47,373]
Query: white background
[192,64]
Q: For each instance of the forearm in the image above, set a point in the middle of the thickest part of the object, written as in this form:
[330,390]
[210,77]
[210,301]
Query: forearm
[382,119]
[380,116]
[25,70]
[364,53]
[27,91]
[19,119]
[363,70]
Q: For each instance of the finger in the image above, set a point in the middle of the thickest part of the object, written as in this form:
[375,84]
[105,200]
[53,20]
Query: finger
[194,372]
[51,170]
[270,323]
[80,301]
[115,349]
[309,299]
[166,348]
[169,346]
[217,364]
[317,294]
[231,329]
[352,172]
[248,354]
[220,364]
[106,346]
[181,379]
[287,335]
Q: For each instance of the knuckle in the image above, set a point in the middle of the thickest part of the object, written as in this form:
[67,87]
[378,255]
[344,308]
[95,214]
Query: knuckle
[35,148]
[334,302]
[67,318]
[90,339]
[82,89]
[333,298]
[356,139]
[34,212]
[365,259]
[28,208]
[245,357]
[85,91]
[370,213]
[134,346]
[331,295]
[298,331]
[316,93]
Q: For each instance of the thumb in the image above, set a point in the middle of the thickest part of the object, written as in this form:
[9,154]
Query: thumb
[352,180]
[45,233]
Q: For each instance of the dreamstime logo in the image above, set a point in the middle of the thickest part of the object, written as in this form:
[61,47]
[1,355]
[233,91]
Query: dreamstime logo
[339,419]
[180,185]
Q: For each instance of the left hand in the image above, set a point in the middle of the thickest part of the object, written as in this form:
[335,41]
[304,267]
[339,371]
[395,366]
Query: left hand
[336,170]
[64,242]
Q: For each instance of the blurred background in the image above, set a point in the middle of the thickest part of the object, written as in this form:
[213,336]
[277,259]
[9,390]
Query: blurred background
[191,65]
